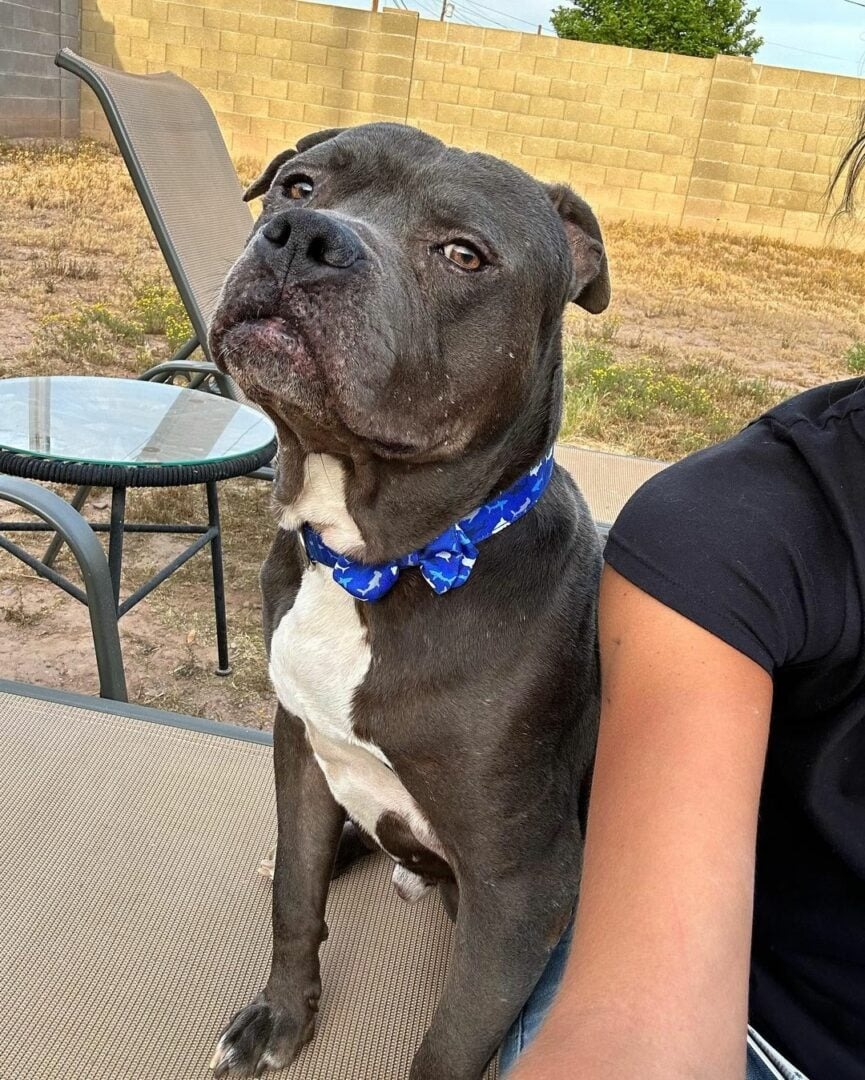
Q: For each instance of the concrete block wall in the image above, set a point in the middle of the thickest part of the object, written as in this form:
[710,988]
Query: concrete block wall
[665,139]
[36,98]
[272,71]
[769,143]
[620,125]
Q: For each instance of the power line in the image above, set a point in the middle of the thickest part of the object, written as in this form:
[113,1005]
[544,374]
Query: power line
[808,52]
[505,14]
[477,13]
[467,5]
[428,10]
[463,22]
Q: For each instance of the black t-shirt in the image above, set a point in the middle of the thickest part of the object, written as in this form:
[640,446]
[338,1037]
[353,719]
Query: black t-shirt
[761,541]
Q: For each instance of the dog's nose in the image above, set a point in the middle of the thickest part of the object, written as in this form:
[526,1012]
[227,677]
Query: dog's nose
[304,246]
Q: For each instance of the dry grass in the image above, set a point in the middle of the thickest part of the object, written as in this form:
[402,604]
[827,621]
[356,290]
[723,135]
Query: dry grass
[704,332]
[731,324]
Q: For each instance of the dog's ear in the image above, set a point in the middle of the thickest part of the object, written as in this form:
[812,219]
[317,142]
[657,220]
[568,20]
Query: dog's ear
[261,185]
[591,274]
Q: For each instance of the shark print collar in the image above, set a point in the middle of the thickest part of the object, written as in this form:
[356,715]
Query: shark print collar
[447,561]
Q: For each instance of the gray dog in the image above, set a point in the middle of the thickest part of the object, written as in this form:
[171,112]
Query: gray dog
[430,597]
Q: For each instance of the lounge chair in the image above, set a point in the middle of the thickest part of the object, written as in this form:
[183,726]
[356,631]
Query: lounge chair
[133,919]
[179,165]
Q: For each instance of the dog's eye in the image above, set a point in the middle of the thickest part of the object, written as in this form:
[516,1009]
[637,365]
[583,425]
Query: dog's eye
[298,187]
[463,255]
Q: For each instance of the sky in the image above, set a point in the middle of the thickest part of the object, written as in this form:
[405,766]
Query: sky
[819,35]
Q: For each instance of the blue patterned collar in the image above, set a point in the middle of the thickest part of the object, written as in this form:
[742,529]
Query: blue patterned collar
[445,562]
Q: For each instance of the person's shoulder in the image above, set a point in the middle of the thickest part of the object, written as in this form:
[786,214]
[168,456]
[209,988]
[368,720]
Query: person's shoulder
[740,537]
[766,469]
[819,407]
[749,471]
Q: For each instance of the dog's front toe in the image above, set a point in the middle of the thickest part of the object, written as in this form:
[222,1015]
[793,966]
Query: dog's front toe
[261,1036]
[268,864]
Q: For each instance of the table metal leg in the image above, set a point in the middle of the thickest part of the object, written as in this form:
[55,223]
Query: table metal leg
[218,579]
[115,539]
[53,549]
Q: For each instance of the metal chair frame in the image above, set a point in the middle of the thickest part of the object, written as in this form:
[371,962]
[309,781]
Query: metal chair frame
[98,592]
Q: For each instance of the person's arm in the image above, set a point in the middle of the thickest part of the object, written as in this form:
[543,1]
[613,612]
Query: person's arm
[657,981]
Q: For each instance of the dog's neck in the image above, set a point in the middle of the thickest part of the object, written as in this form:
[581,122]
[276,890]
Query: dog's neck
[374,511]
[321,502]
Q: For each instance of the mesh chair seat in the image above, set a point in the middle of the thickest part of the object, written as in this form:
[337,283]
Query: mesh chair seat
[133,921]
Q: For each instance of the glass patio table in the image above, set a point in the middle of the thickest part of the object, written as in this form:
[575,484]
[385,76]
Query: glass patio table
[123,433]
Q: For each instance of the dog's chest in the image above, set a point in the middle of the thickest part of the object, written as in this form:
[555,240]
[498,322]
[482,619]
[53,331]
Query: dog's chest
[319,657]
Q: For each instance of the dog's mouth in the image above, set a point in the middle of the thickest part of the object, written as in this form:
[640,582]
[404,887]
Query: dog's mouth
[245,345]
[271,327]
[276,366]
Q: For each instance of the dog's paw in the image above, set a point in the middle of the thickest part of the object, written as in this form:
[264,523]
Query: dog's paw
[268,864]
[409,886]
[261,1036]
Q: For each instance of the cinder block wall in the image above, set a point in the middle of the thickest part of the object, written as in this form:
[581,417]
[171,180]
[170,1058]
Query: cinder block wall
[272,69]
[36,99]
[622,126]
[717,144]
[770,140]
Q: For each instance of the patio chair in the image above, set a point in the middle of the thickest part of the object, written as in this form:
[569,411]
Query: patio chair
[179,165]
[134,921]
[181,169]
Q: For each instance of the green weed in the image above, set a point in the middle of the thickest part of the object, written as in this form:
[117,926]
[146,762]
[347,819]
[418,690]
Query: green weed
[85,341]
[855,358]
[652,407]
[95,337]
[158,310]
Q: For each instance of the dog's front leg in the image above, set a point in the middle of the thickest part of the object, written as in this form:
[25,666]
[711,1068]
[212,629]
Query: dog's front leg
[270,1031]
[502,944]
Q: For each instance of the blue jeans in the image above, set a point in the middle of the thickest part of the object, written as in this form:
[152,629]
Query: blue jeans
[526,1025]
[758,1069]
[764,1062]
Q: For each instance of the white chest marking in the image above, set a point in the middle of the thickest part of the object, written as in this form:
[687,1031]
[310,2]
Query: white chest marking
[321,502]
[319,657]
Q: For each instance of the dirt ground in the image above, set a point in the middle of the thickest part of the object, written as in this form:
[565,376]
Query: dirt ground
[76,256]
[169,639]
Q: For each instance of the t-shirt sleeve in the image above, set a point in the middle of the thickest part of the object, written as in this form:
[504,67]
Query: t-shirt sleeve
[731,538]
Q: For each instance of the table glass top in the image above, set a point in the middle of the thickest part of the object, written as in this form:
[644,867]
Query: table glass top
[125,422]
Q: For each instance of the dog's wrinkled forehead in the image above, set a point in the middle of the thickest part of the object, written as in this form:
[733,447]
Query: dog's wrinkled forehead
[398,176]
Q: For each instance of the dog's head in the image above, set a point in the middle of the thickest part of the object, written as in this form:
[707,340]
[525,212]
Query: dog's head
[401,300]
